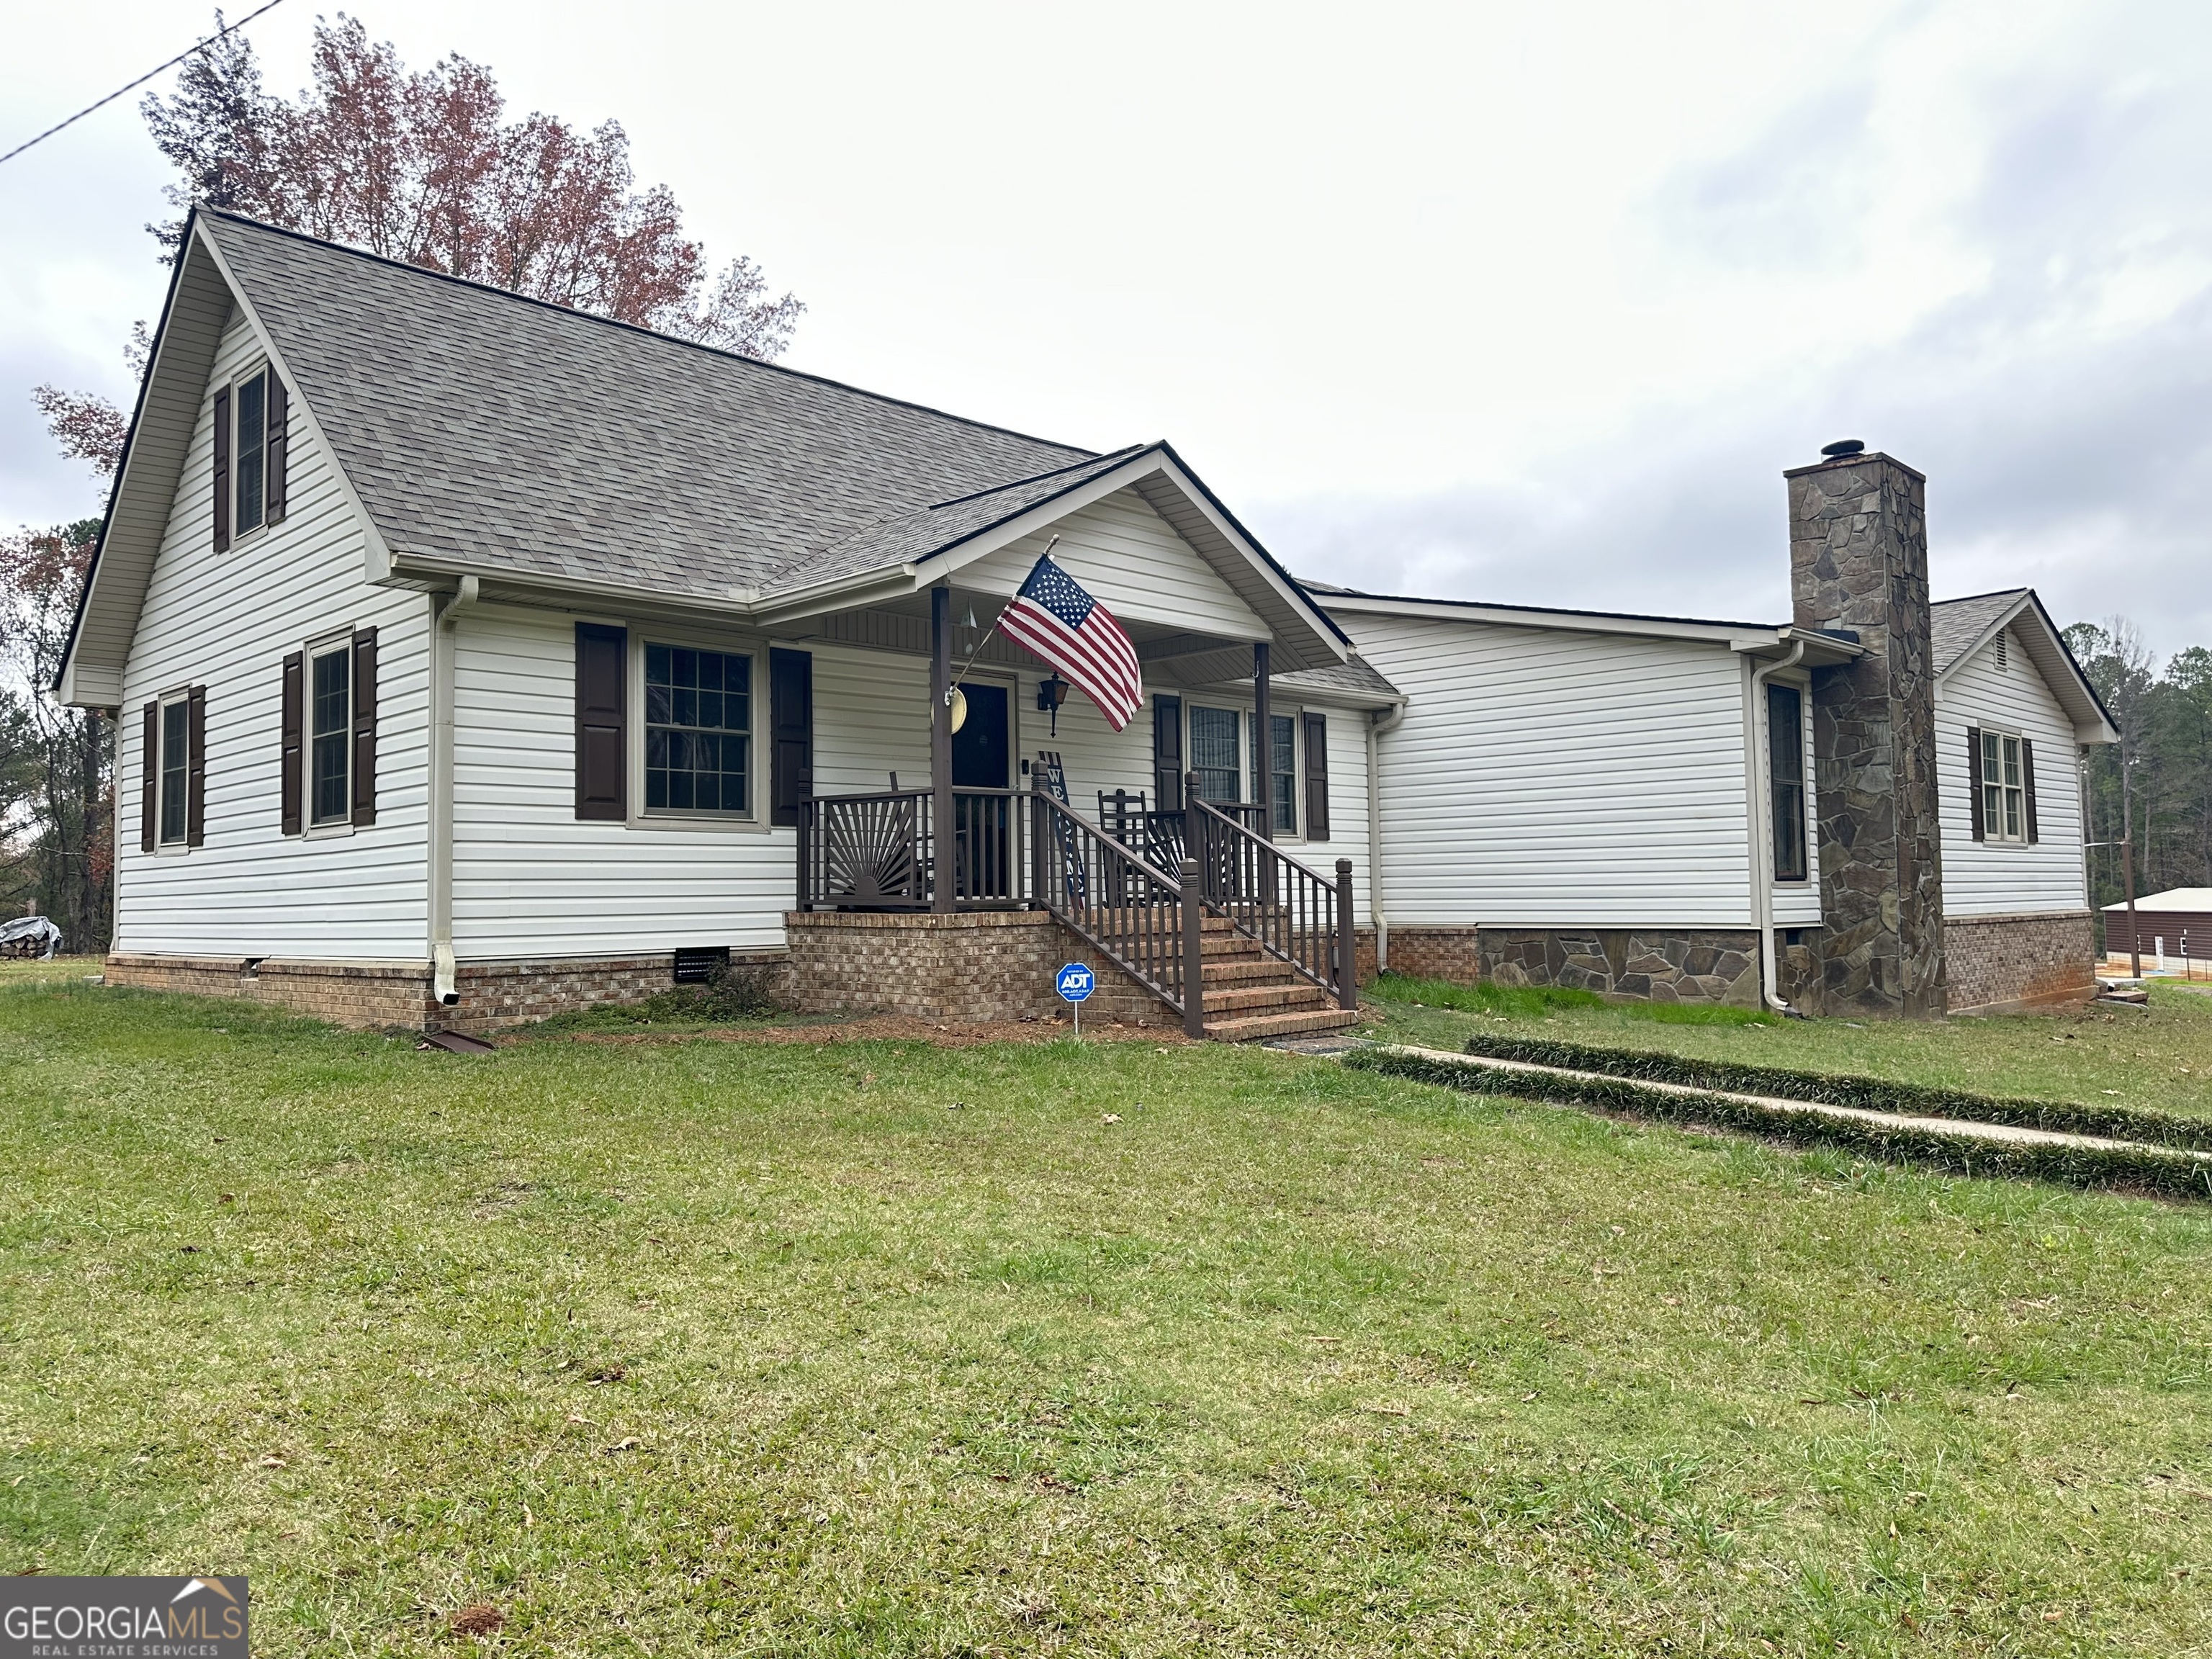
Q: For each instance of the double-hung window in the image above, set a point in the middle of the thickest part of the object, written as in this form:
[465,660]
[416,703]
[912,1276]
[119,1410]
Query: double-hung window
[1281,765]
[175,764]
[1213,754]
[1785,771]
[698,730]
[329,733]
[2004,788]
[250,463]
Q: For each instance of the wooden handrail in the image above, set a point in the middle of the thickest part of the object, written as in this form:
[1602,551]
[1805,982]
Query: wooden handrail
[1293,912]
[1131,911]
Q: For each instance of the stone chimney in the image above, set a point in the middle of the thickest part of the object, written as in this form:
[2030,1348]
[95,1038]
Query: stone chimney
[1858,562]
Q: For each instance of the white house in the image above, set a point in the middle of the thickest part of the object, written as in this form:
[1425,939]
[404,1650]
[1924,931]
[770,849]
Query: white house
[474,657]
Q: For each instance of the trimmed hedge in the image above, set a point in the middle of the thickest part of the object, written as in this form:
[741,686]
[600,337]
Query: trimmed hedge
[2176,1175]
[1872,1093]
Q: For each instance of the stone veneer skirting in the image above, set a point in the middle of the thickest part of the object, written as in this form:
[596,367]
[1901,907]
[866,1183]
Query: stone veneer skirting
[2019,963]
[1657,964]
[970,965]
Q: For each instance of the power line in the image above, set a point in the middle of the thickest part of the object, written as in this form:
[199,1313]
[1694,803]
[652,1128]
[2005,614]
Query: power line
[228,29]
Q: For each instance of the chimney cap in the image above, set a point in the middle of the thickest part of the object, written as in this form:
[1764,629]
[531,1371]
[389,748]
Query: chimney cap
[1843,446]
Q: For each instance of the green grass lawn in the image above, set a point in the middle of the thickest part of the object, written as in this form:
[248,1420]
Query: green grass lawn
[870,1348]
[2160,1058]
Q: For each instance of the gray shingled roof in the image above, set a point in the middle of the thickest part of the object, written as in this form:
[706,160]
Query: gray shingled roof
[482,426]
[1355,678]
[1957,624]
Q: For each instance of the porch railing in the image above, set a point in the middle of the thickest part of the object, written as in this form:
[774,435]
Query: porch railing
[879,852]
[1295,913]
[1128,908]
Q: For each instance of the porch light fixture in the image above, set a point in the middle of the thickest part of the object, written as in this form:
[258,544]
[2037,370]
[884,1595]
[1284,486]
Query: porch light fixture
[1052,691]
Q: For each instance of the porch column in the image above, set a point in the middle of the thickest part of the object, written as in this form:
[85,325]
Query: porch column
[1263,741]
[943,842]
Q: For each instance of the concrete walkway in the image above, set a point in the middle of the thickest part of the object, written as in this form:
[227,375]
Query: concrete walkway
[1962,1128]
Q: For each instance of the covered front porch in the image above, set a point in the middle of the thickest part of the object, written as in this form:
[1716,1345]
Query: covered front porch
[1197,851]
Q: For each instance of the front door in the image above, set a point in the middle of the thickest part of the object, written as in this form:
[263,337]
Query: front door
[983,758]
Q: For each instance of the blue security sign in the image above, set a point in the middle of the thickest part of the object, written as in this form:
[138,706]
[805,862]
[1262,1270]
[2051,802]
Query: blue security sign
[1074,982]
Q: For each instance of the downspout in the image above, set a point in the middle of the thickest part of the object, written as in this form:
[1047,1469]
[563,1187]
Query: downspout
[1377,724]
[445,608]
[1762,833]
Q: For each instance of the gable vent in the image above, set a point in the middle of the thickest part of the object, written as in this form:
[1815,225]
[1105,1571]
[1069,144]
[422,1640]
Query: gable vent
[2004,658]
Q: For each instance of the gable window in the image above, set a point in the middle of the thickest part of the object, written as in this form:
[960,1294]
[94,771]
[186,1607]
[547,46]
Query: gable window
[698,730]
[1213,754]
[2004,788]
[175,762]
[249,450]
[330,741]
[1785,777]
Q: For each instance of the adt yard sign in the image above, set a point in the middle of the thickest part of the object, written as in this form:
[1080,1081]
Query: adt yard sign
[1075,982]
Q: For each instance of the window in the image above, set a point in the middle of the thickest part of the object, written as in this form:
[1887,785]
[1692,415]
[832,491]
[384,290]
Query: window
[1283,774]
[176,757]
[1785,778]
[330,741]
[251,411]
[2004,788]
[1213,754]
[698,726]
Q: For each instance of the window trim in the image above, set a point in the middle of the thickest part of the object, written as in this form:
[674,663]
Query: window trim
[1806,826]
[264,371]
[755,817]
[1994,833]
[1247,712]
[180,697]
[340,644]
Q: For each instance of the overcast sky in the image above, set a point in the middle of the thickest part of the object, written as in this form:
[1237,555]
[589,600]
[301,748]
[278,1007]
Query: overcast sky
[1485,300]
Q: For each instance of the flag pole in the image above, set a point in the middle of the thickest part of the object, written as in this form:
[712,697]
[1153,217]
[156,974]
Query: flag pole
[986,639]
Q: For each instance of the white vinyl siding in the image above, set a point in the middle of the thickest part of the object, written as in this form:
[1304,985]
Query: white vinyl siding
[1134,561]
[228,623]
[1544,777]
[1997,877]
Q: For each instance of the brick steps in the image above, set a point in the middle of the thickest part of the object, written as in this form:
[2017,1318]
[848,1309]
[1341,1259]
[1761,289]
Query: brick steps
[1253,1029]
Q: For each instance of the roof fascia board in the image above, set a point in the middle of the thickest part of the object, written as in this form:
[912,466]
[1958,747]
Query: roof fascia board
[77,684]
[376,552]
[1576,622]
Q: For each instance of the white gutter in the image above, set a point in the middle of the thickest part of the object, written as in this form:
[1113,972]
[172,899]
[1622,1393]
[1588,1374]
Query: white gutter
[1378,722]
[444,608]
[1762,830]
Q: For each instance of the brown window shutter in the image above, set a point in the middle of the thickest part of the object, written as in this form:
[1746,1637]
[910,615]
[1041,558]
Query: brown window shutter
[277,448]
[290,764]
[150,782]
[791,732]
[2027,782]
[195,766]
[602,687]
[222,470]
[1974,781]
[364,726]
[1316,764]
[1167,753]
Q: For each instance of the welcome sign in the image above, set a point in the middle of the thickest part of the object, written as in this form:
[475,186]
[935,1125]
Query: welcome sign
[122,1617]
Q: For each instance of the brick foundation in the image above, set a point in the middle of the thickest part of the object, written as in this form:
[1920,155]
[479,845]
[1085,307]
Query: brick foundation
[1691,964]
[376,994]
[971,965]
[1421,952]
[2019,963]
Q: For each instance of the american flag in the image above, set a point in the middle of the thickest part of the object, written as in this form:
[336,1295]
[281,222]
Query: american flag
[1065,626]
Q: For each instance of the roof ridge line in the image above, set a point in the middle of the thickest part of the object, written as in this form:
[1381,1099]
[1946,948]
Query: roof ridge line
[633,328]
[1121,453]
